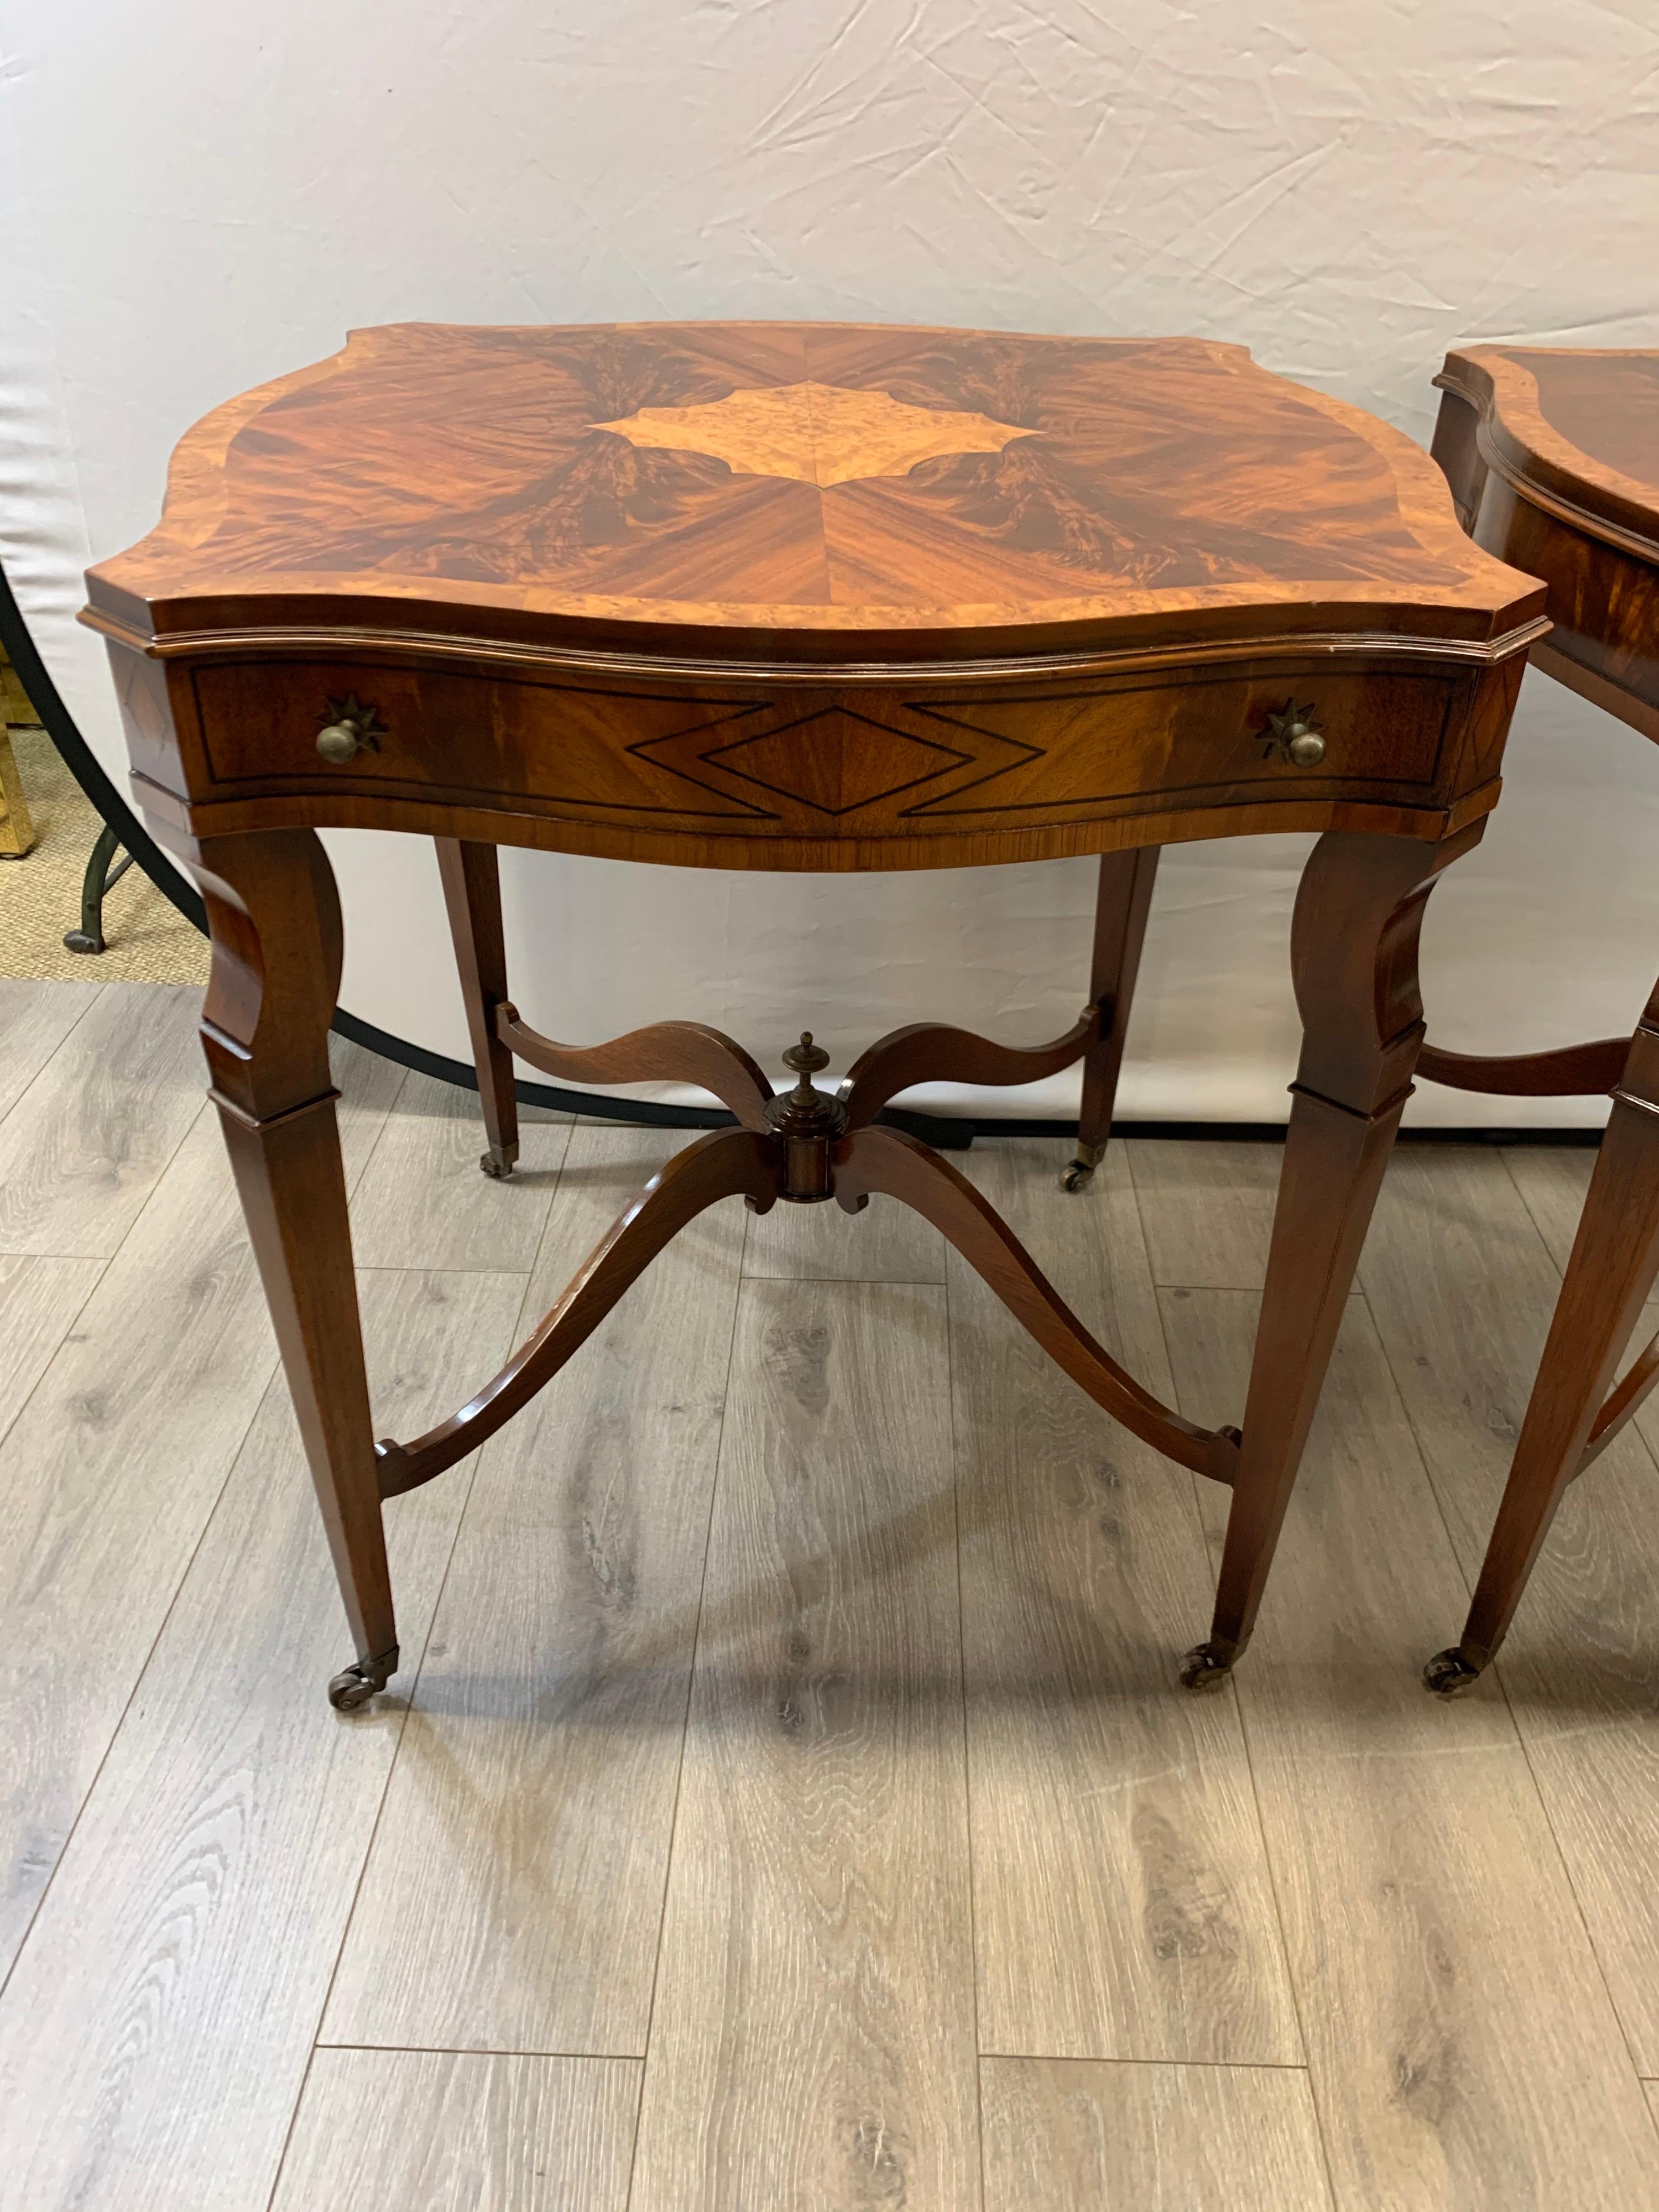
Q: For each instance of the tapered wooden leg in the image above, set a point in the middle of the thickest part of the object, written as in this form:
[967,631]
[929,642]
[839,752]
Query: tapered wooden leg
[275,920]
[1353,951]
[1615,1260]
[1121,905]
[472,893]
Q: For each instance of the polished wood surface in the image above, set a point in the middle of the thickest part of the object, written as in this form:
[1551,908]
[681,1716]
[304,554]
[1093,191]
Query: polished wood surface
[785,597]
[802,597]
[1553,458]
[736,483]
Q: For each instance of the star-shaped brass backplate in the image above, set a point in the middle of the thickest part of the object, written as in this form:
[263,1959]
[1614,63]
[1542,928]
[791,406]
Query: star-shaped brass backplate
[818,433]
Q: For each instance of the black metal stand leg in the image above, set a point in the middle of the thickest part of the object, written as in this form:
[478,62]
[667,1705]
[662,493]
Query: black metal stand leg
[99,879]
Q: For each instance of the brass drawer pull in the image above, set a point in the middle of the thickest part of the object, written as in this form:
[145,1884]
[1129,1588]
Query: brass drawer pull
[351,729]
[1295,735]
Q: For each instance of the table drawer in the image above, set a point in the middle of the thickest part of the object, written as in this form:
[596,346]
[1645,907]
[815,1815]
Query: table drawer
[860,762]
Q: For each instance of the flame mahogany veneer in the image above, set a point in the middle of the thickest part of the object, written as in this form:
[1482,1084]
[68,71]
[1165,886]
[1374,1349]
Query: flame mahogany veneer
[795,597]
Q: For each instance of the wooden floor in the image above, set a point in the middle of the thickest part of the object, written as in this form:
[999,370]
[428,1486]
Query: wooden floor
[787,1801]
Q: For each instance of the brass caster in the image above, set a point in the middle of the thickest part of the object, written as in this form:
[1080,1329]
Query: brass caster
[1079,1173]
[356,1684]
[497,1163]
[1204,1666]
[1448,1674]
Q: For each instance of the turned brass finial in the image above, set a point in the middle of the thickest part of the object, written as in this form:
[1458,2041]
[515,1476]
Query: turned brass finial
[809,1120]
[804,1060]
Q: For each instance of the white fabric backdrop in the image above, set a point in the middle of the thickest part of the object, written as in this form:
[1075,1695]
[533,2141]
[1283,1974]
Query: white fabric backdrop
[200,197]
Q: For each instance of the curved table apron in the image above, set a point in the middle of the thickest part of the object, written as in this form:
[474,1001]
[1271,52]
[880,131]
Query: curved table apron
[964,598]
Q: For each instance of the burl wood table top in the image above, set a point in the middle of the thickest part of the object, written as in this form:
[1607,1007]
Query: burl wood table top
[1552,456]
[764,492]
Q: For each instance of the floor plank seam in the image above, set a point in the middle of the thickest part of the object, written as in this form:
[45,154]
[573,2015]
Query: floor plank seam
[476,1459]
[1528,1208]
[92,997]
[1539,1792]
[293,2122]
[427,1268]
[1210,2066]
[479,2050]
[258,1400]
[1274,1883]
[1542,1796]
[856,1282]
[685,1716]
[379,1135]
[161,1166]
[380,1809]
[7,1252]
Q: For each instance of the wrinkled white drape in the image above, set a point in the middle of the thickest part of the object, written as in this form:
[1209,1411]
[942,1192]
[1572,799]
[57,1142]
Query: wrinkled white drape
[199,197]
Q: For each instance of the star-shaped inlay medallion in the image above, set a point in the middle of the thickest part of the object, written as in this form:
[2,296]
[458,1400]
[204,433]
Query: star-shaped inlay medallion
[817,433]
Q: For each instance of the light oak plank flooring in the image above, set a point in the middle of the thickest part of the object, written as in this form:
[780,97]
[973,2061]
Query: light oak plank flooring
[231,1909]
[812,2041]
[39,1301]
[1463,1314]
[885,1243]
[514,1895]
[449,2132]
[1208,1210]
[1061,2137]
[1552,1181]
[1464,2054]
[1122,1906]
[424,1202]
[110,1471]
[157,2027]
[34,1019]
[86,1144]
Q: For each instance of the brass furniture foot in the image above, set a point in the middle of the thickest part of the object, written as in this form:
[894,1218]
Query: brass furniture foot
[1208,1664]
[1078,1173]
[356,1685]
[1448,1674]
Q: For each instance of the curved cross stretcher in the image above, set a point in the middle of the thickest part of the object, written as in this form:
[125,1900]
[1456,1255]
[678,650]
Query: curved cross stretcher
[766,1165]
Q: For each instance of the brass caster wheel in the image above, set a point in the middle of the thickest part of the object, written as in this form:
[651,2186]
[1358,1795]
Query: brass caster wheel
[356,1684]
[1204,1666]
[1448,1674]
[498,1162]
[1077,1176]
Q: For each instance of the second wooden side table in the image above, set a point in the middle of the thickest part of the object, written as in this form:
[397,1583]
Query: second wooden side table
[1554,459]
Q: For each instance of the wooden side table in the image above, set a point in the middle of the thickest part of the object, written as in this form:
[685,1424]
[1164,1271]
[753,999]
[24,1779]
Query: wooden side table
[1554,459]
[801,598]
